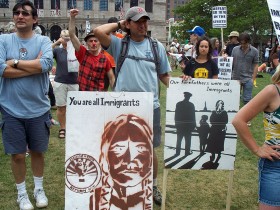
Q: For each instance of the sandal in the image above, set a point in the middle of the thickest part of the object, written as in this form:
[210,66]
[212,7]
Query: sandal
[61,133]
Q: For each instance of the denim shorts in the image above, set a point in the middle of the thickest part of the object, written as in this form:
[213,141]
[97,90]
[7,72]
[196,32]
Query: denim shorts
[156,128]
[17,133]
[269,182]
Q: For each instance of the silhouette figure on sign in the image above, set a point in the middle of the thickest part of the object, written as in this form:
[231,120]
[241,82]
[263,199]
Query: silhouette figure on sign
[216,140]
[184,123]
[203,132]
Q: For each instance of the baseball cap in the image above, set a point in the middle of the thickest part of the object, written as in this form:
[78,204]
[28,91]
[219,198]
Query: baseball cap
[197,30]
[90,34]
[233,33]
[135,13]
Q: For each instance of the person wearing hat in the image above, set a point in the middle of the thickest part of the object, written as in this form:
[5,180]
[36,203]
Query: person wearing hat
[185,123]
[64,81]
[195,33]
[138,75]
[93,64]
[233,38]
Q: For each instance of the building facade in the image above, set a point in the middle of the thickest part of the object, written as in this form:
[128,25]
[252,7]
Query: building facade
[54,15]
[171,5]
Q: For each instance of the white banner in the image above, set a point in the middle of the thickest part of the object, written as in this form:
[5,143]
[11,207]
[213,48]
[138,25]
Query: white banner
[274,9]
[198,132]
[109,151]
[87,26]
[219,17]
[225,67]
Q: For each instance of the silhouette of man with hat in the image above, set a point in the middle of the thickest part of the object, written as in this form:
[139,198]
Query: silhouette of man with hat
[185,123]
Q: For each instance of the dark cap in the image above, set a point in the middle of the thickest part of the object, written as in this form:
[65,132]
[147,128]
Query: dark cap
[187,94]
[135,13]
[112,20]
[90,34]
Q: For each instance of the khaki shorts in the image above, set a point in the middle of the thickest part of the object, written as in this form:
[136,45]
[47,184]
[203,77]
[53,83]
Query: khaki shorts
[60,91]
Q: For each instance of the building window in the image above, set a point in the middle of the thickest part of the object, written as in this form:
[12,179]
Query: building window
[39,4]
[87,4]
[71,4]
[55,4]
[149,5]
[133,3]
[103,5]
[4,3]
[118,5]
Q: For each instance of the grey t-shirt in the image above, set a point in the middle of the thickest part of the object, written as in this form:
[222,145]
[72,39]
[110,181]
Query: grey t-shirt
[62,75]
[244,63]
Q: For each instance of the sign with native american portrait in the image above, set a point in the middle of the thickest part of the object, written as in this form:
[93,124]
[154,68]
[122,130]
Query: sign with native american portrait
[199,133]
[108,158]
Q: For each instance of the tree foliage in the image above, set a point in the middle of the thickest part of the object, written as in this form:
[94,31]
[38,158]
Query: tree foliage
[250,16]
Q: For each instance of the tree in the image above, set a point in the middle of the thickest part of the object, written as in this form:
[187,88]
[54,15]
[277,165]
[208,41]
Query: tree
[250,16]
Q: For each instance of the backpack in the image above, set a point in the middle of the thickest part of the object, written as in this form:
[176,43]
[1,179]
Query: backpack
[124,55]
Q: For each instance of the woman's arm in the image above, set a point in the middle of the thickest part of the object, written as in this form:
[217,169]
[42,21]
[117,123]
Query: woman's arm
[266,100]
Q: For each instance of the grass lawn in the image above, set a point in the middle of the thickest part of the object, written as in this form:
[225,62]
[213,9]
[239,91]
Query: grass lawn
[186,189]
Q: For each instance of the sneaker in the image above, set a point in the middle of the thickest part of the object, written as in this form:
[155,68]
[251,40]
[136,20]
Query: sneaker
[41,199]
[54,122]
[24,202]
[249,123]
[157,196]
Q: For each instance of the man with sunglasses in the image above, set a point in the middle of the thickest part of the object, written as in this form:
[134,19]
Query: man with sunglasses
[25,60]
[138,75]
[93,64]
[195,34]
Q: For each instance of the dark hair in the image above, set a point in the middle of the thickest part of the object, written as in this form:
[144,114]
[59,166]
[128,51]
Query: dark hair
[245,37]
[112,20]
[23,4]
[204,38]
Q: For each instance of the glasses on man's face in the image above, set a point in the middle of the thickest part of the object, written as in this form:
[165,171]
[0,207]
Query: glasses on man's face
[23,13]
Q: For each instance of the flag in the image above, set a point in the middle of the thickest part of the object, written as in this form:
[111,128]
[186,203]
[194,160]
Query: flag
[122,13]
[56,7]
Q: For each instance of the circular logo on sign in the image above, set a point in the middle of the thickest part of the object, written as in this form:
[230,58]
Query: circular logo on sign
[82,173]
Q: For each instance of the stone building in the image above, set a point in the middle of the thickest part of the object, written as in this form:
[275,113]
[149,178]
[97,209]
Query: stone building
[54,15]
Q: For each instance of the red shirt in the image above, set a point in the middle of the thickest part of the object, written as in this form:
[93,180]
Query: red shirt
[92,70]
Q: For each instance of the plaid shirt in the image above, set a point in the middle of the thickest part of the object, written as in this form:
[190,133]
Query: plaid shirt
[92,70]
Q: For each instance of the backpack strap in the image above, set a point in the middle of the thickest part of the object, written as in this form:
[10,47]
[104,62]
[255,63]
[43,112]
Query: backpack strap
[154,47]
[122,56]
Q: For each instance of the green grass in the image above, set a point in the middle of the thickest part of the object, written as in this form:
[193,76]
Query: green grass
[186,189]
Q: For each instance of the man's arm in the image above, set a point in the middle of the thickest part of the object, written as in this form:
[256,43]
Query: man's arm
[103,32]
[255,71]
[72,30]
[164,78]
[11,72]
[111,77]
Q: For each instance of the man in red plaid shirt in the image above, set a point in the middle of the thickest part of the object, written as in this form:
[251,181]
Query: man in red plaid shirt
[93,64]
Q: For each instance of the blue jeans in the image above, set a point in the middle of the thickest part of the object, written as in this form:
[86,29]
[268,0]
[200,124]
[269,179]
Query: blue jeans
[247,89]
[269,182]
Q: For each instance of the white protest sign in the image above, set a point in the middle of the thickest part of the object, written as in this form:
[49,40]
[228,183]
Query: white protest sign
[225,67]
[198,132]
[219,17]
[274,9]
[108,157]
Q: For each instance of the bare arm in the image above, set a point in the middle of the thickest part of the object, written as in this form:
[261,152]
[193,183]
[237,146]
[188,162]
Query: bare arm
[164,78]
[255,72]
[72,30]
[29,66]
[11,72]
[111,77]
[103,32]
[266,100]
[58,42]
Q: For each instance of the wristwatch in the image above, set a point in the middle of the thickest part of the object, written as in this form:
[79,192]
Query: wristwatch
[15,63]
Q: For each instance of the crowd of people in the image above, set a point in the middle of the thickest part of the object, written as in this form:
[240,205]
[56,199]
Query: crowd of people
[26,58]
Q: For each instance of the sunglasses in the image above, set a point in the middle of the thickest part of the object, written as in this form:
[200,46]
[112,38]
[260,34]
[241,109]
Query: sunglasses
[23,13]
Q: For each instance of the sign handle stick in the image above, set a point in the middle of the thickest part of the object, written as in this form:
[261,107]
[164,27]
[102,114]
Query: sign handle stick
[222,38]
[165,173]
[230,183]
